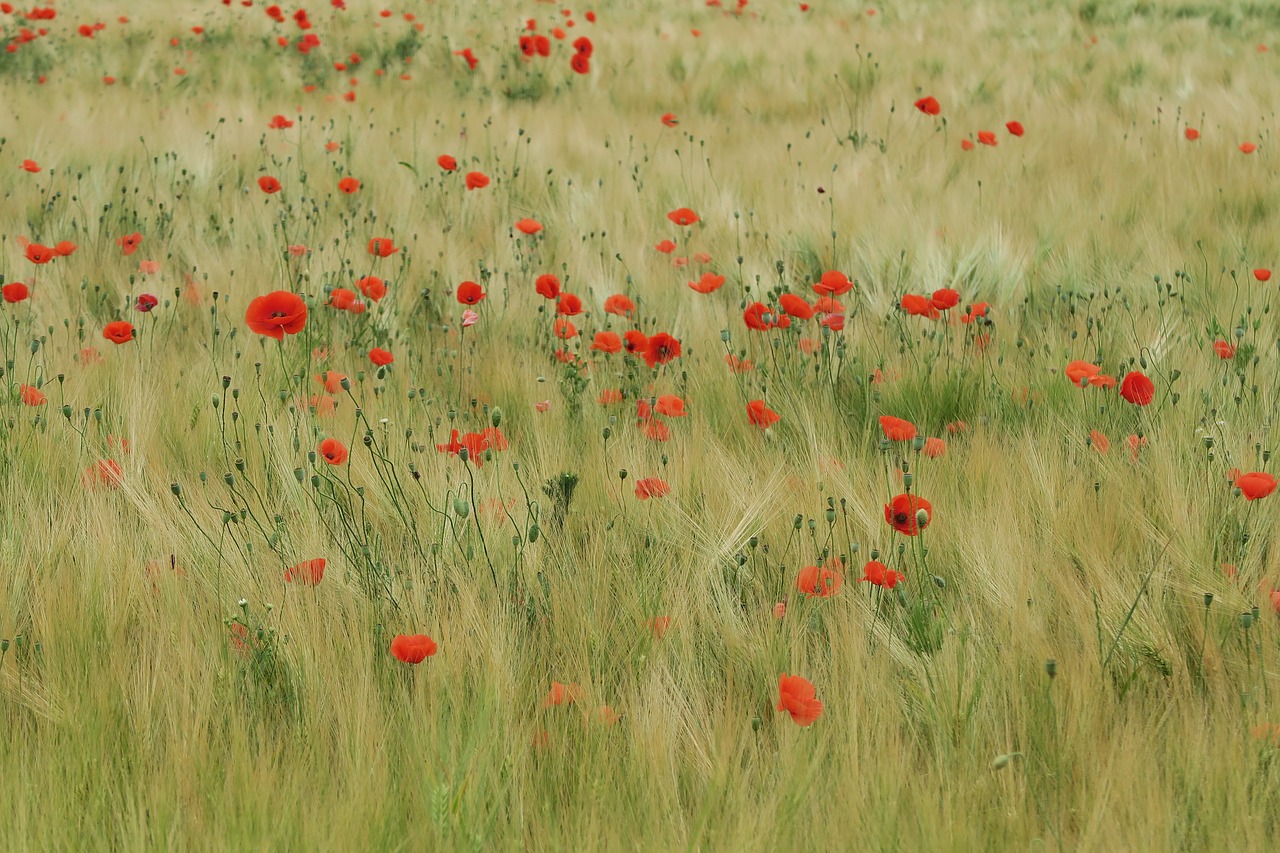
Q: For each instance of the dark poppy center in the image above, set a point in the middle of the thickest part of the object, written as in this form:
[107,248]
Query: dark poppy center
[900,517]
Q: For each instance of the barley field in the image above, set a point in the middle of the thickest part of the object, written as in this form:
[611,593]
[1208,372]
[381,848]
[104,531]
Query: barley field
[676,425]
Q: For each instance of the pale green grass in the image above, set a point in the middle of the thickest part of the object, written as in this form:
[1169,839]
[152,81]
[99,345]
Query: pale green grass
[130,722]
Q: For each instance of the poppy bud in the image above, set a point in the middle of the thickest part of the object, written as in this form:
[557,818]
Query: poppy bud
[917,444]
[176,489]
[240,465]
[1051,668]
[495,417]
[35,347]
[204,478]
[229,479]
[1246,620]
[907,480]
[922,517]
[515,466]
[875,553]
[622,473]
[606,433]
[66,412]
[460,506]
[1208,599]
[724,335]
[4,645]
[755,724]
[226,382]
[368,439]
[345,383]
[831,515]
[940,583]
[798,521]
[464,454]
[315,481]
[533,533]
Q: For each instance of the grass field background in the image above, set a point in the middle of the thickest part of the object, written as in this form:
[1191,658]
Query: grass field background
[1083,649]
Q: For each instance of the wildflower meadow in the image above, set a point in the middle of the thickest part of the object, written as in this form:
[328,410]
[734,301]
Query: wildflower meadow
[671,425]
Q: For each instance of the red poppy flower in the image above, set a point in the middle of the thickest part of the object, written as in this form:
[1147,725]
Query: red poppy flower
[469,56]
[562,694]
[635,342]
[833,283]
[761,318]
[669,119]
[660,349]
[564,329]
[382,247]
[986,137]
[279,122]
[1224,350]
[277,314]
[413,648]
[919,306]
[1137,389]
[1014,127]
[666,247]
[569,305]
[901,514]
[758,414]
[1255,485]
[447,162]
[547,285]
[1080,372]
[966,145]
[118,332]
[709,283]
[333,451]
[145,302]
[929,105]
[380,357]
[15,292]
[580,63]
[1248,147]
[607,342]
[945,299]
[1191,134]
[797,696]
[470,293]
[651,487]
[896,429]
[64,248]
[372,287]
[129,243]
[1262,274]
[881,575]
[477,180]
[619,305]
[105,472]
[796,306]
[31,166]
[529,226]
[820,582]
[268,184]
[348,185]
[683,216]
[31,396]
[39,254]
[934,447]
[309,572]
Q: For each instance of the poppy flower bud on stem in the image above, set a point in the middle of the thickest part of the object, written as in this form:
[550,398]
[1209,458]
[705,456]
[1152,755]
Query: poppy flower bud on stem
[1208,599]
[907,480]
[1051,668]
[798,521]
[622,473]
[922,518]
[299,474]
[606,433]
[495,417]
[460,507]
[176,489]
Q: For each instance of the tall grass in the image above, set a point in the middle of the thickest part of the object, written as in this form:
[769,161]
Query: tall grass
[1084,649]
